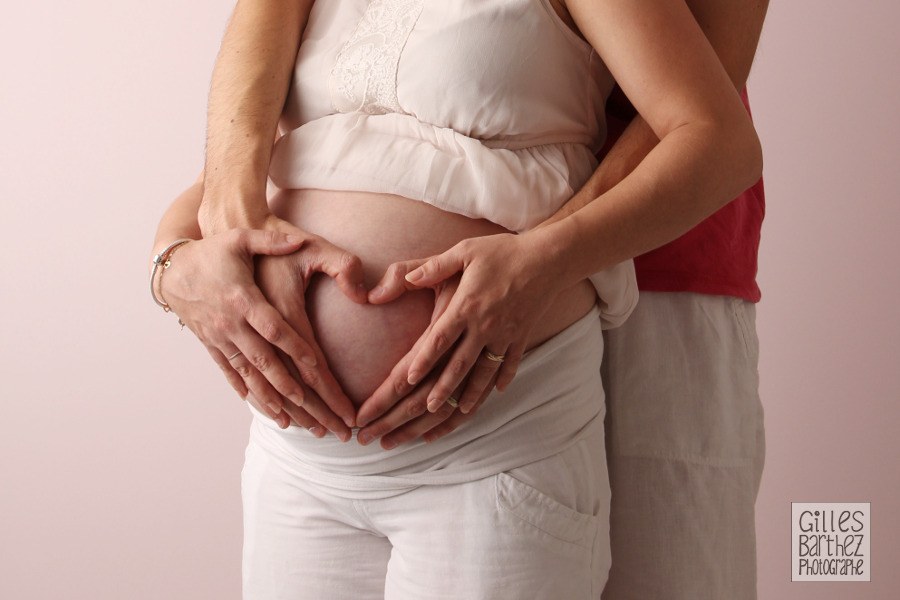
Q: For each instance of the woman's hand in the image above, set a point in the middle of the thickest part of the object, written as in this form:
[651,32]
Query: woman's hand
[409,418]
[210,285]
[506,283]
[397,411]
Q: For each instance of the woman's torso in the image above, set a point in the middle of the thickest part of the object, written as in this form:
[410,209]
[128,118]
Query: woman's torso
[412,125]
[362,343]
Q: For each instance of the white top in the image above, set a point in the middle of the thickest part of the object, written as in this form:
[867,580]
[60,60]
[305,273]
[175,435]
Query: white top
[487,108]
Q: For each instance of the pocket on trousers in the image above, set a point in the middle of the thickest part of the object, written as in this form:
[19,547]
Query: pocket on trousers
[544,513]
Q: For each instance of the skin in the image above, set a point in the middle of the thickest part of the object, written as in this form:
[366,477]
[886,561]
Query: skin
[708,153]
[622,210]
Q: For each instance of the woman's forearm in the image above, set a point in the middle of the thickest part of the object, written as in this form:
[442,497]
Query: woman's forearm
[249,87]
[633,222]
[180,219]
[684,178]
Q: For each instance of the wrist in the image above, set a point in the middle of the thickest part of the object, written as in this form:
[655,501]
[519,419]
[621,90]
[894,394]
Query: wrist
[551,248]
[160,262]
[222,210]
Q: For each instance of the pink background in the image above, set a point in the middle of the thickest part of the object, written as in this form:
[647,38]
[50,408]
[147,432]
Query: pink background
[122,446]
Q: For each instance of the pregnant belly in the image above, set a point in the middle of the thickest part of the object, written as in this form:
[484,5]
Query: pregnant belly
[362,343]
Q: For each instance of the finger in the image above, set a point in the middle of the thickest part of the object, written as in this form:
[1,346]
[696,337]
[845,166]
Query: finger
[455,371]
[439,338]
[345,268]
[484,374]
[256,384]
[393,283]
[339,404]
[410,407]
[270,324]
[392,390]
[415,428]
[281,418]
[407,420]
[319,378]
[385,397]
[259,359]
[232,376]
[267,325]
[301,417]
[255,241]
[456,419]
[295,414]
[510,365]
[397,385]
[440,267]
[267,377]
[447,426]
[282,290]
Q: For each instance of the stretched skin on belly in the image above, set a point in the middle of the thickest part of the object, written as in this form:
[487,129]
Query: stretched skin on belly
[362,343]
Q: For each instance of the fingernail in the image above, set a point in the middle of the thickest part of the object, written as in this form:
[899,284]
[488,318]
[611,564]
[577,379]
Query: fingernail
[465,409]
[414,275]
[376,293]
[274,408]
[317,431]
[344,436]
[309,360]
[434,404]
[388,444]
[348,421]
[364,437]
[413,378]
[293,238]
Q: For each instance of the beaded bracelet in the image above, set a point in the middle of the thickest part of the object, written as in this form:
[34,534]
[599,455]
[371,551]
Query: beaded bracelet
[164,259]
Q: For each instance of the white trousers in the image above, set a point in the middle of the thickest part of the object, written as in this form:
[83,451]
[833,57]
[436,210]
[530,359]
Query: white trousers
[685,448]
[538,531]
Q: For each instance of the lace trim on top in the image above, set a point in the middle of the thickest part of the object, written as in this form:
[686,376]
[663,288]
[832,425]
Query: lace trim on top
[364,76]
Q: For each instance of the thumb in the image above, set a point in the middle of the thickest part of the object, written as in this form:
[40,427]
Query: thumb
[437,268]
[393,283]
[344,267]
[275,243]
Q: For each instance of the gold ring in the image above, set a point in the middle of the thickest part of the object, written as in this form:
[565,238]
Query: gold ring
[452,401]
[494,357]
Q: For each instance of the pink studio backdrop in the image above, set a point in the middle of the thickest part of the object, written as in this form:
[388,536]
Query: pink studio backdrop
[122,447]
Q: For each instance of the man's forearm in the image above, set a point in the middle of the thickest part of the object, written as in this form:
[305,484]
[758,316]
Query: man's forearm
[249,87]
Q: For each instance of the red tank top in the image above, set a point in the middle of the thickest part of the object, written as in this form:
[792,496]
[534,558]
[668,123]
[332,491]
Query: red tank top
[717,257]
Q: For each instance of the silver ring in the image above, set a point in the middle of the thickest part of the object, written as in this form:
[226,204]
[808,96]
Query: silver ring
[452,401]
[235,355]
[494,357]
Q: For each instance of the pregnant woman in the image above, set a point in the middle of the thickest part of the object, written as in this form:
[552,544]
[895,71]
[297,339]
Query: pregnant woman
[411,128]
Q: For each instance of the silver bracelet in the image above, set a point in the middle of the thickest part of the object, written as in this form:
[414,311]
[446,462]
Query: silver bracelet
[162,259]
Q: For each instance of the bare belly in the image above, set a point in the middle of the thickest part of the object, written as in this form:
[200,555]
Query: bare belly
[362,343]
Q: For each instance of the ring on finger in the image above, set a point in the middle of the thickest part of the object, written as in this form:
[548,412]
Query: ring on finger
[494,357]
[452,401]
[235,355]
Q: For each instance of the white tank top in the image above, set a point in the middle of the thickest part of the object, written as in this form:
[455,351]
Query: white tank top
[487,108]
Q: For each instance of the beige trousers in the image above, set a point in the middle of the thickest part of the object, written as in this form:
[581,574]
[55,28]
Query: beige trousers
[685,449]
